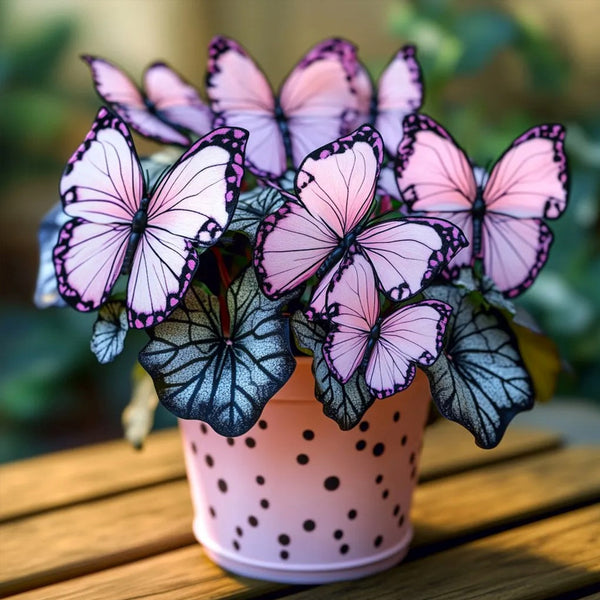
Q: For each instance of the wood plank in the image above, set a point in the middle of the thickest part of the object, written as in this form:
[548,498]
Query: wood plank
[473,501]
[542,560]
[64,478]
[533,562]
[84,538]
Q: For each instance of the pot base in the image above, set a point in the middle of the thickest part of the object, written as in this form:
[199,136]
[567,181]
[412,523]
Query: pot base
[305,574]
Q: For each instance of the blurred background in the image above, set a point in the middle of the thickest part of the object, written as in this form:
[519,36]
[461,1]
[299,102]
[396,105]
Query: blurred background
[492,69]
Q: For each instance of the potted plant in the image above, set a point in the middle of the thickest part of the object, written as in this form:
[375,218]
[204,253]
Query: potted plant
[323,242]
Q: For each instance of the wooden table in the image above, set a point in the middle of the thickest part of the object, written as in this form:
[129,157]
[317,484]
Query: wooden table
[105,522]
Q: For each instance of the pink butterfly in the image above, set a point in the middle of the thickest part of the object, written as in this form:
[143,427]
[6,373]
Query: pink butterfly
[501,215]
[314,105]
[168,105]
[386,347]
[399,92]
[311,235]
[118,227]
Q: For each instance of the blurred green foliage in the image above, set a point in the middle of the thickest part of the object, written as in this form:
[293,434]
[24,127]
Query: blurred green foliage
[456,45]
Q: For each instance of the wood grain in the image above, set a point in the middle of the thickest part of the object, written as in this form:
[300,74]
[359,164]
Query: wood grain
[71,476]
[80,539]
[533,562]
[64,478]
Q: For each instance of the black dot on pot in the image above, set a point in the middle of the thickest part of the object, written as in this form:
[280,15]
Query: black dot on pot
[253,521]
[250,442]
[378,449]
[302,459]
[385,494]
[208,459]
[260,480]
[401,521]
[332,483]
[194,449]
[222,485]
[338,534]
[361,445]
[309,525]
[364,426]
[352,514]
[377,541]
[284,554]
[344,549]
[308,434]
[236,544]
[396,416]
[404,440]
[412,458]
[396,510]
[284,539]
[239,531]
[264,503]
[203,428]
[262,424]
[379,479]
[212,512]
[230,441]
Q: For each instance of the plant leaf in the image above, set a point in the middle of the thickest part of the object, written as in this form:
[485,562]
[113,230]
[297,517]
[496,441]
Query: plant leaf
[344,403]
[253,207]
[201,373]
[480,381]
[110,329]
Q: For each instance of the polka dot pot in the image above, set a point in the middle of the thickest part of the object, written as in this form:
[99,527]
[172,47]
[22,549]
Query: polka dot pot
[296,499]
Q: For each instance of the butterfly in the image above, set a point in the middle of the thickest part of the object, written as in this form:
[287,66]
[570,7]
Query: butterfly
[167,105]
[312,233]
[501,215]
[313,106]
[399,92]
[386,347]
[118,227]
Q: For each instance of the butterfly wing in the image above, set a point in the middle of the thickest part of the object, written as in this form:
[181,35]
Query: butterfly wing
[241,96]
[408,253]
[435,178]
[399,92]
[317,97]
[354,309]
[175,100]
[409,336]
[124,97]
[189,210]
[527,184]
[101,188]
[335,185]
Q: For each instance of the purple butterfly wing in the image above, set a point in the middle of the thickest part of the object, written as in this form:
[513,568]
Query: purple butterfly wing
[335,185]
[101,188]
[354,310]
[435,178]
[399,93]
[528,183]
[409,336]
[124,97]
[175,100]
[408,253]
[317,97]
[190,208]
[241,96]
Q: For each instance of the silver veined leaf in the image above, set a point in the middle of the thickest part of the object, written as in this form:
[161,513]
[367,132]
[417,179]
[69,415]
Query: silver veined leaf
[110,329]
[202,373]
[253,207]
[344,403]
[480,380]
[46,291]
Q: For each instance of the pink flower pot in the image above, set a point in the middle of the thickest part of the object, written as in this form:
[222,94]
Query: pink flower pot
[296,499]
